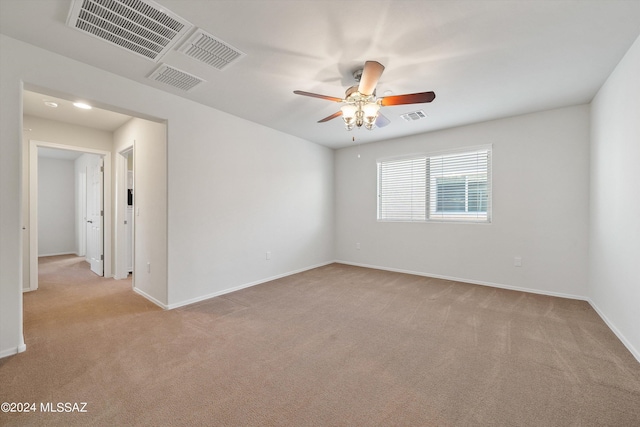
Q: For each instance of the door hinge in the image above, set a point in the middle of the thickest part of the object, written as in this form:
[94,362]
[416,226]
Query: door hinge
[101,213]
[101,257]
[101,168]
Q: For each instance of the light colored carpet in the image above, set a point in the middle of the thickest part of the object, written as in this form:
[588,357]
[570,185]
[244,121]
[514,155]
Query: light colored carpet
[334,346]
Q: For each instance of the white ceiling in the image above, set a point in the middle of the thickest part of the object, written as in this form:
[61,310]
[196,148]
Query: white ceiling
[483,59]
[33,104]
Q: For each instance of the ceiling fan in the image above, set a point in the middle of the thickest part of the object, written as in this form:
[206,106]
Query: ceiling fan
[361,106]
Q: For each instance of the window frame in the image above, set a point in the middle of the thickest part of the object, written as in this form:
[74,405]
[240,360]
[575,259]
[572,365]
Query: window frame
[431,195]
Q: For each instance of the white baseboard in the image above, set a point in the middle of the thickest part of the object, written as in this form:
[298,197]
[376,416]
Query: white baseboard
[615,330]
[246,285]
[150,298]
[12,351]
[27,290]
[471,281]
[57,253]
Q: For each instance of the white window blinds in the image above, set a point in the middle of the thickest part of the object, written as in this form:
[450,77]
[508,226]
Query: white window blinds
[446,187]
[402,191]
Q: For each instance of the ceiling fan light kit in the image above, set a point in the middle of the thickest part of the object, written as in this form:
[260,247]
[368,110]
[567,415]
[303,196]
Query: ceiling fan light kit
[361,106]
[359,112]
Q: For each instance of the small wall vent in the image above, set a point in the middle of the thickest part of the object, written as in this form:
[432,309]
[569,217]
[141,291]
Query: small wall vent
[206,48]
[140,26]
[177,78]
[415,115]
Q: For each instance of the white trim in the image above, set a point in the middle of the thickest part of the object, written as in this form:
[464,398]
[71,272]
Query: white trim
[246,285]
[33,216]
[12,351]
[436,153]
[59,253]
[615,330]
[27,290]
[471,281]
[150,298]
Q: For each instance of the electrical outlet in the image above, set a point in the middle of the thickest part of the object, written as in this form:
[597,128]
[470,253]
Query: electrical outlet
[358,246]
[517,261]
[268,255]
[148,267]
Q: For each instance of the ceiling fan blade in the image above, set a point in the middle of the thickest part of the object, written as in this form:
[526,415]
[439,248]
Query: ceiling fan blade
[370,75]
[411,98]
[382,121]
[315,95]
[331,117]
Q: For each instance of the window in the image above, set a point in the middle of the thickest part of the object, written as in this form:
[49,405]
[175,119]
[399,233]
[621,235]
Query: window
[448,187]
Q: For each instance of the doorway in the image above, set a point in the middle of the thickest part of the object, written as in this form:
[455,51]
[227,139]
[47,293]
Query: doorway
[116,136]
[92,223]
[125,205]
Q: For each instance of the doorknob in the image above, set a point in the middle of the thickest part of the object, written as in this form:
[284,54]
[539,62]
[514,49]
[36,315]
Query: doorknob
[90,221]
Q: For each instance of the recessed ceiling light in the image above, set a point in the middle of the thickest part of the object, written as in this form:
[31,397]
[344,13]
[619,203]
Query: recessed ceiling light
[82,105]
[51,104]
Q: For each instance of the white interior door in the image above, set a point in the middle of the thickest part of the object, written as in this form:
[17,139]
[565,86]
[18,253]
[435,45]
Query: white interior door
[95,215]
[82,213]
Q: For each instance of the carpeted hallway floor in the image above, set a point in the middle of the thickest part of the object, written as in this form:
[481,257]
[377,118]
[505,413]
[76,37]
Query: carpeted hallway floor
[334,346]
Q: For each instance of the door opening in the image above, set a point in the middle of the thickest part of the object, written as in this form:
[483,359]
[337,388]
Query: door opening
[97,241]
[125,219]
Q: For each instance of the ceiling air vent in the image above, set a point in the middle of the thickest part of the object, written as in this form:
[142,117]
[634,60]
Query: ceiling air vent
[206,48]
[415,115]
[176,78]
[139,26]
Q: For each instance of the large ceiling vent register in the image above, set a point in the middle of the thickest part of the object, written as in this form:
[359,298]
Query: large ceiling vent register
[142,27]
